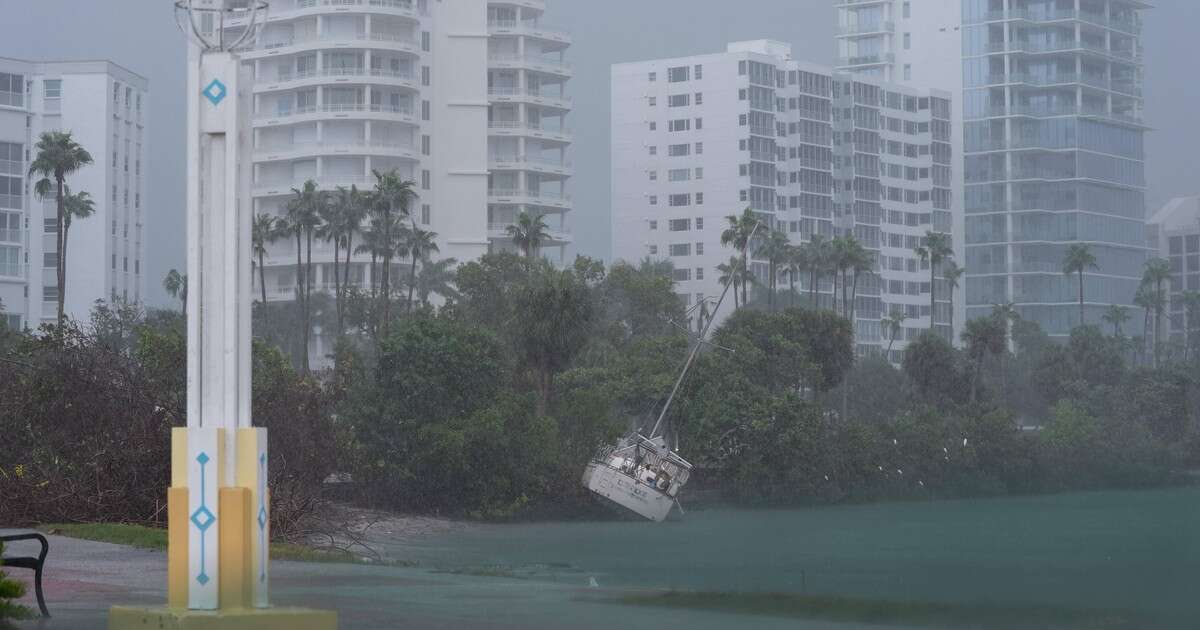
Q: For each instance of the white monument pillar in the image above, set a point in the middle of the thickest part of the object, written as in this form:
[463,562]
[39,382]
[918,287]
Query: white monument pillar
[219,502]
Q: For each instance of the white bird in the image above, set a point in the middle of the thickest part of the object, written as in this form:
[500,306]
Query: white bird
[593,583]
[964,441]
[900,471]
[921,483]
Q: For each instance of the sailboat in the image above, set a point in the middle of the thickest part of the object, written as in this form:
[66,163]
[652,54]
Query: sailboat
[640,472]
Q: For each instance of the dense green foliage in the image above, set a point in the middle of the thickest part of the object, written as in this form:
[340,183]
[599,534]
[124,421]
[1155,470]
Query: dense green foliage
[10,590]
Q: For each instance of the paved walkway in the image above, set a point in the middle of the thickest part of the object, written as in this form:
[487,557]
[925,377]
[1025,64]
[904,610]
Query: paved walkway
[84,578]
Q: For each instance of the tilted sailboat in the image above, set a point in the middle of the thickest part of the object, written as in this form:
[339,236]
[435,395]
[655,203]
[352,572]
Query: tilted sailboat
[640,472]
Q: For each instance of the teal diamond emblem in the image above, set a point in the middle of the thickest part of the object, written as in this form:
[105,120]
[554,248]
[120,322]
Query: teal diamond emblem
[202,458]
[202,579]
[215,92]
[203,519]
[262,517]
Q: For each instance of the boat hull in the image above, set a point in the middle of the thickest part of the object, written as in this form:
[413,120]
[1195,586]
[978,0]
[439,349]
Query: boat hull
[637,497]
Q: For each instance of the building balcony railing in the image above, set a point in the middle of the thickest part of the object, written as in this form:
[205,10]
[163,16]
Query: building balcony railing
[867,60]
[284,185]
[541,64]
[871,28]
[393,38]
[521,127]
[520,162]
[342,73]
[518,27]
[560,100]
[558,235]
[12,236]
[517,196]
[286,150]
[12,99]
[336,109]
[14,270]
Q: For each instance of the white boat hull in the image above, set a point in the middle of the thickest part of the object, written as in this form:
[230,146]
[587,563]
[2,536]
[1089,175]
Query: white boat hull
[638,497]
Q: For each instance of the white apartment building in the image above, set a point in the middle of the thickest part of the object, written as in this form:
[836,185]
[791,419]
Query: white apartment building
[465,98]
[811,150]
[1051,136]
[918,43]
[1173,234]
[104,107]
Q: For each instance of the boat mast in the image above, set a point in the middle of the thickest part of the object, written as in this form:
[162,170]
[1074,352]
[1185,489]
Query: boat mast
[699,342]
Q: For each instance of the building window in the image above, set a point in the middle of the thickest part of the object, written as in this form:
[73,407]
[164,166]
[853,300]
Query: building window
[652,100]
[699,148]
[679,225]
[50,260]
[906,9]
[52,88]
[653,126]
[654,200]
[681,249]
[682,124]
[653,175]
[425,212]
[907,41]
[679,174]
[425,41]
[682,275]
[679,150]
[653,225]
[699,199]
[908,72]
[698,72]
[653,150]
[678,75]
[680,200]
[653,249]
[426,147]
[12,90]
[699,223]
[653,76]
[679,100]
[699,100]
[425,180]
[50,294]
[699,249]
[425,76]
[699,273]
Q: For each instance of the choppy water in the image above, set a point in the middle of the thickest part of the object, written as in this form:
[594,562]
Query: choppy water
[1124,550]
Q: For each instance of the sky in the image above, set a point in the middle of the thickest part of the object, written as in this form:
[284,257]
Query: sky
[141,35]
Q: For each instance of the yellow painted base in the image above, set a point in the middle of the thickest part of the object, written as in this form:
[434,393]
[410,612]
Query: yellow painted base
[131,618]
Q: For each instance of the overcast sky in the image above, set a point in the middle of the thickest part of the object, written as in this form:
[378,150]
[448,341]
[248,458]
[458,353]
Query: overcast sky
[141,35]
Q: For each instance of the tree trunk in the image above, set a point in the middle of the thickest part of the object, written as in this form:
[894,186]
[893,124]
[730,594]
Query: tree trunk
[746,270]
[60,240]
[812,289]
[771,287]
[346,273]
[1158,305]
[792,287]
[308,288]
[735,294]
[262,284]
[932,292]
[337,284]
[412,280]
[950,292]
[1081,296]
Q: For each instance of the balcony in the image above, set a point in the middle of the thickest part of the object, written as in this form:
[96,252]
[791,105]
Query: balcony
[530,62]
[389,41]
[867,60]
[536,97]
[402,114]
[527,29]
[873,28]
[274,187]
[522,197]
[520,128]
[289,80]
[558,236]
[14,271]
[295,150]
[560,168]
[282,10]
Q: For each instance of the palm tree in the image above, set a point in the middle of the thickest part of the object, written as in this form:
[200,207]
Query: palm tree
[528,233]
[353,212]
[1078,259]
[1191,315]
[951,272]
[738,234]
[838,259]
[775,250]
[982,336]
[1146,299]
[1116,315]
[734,272]
[393,197]
[893,324]
[436,278]
[859,262]
[795,263]
[303,213]
[817,253]
[264,229]
[176,285]
[933,252]
[58,156]
[420,244]
[76,206]
[1158,271]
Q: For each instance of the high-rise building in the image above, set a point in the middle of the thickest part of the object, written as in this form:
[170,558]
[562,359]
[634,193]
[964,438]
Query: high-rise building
[1174,235]
[809,150]
[103,106]
[466,99]
[1052,137]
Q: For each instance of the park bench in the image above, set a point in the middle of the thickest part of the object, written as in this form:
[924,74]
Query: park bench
[31,563]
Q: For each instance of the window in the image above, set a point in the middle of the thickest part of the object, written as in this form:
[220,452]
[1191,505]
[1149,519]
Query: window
[699,249]
[682,124]
[50,294]
[698,72]
[682,275]
[699,199]
[426,44]
[50,260]
[654,200]
[425,212]
[679,150]
[680,200]
[653,77]
[699,223]
[699,173]
[50,226]
[653,249]
[677,75]
[52,88]
[425,180]
[679,100]
[654,225]
[699,99]
[742,67]
[908,72]
[653,175]
[699,123]
[699,148]
[699,273]
[424,110]
[653,101]
[653,150]
[653,126]
[12,89]
[679,225]
[681,249]
[906,9]
[679,174]
[907,41]
[426,147]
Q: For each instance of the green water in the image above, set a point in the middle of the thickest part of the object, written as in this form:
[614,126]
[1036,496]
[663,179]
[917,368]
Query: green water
[1107,550]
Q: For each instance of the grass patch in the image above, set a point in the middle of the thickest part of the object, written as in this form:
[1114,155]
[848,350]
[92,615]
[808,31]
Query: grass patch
[891,612]
[495,571]
[155,539]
